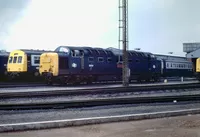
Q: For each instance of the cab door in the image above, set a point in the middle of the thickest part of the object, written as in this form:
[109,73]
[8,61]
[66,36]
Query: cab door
[77,62]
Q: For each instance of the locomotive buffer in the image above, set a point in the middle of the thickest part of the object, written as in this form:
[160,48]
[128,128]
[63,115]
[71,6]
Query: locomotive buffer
[123,39]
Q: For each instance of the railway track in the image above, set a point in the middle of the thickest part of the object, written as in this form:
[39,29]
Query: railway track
[91,90]
[99,102]
[99,96]
[95,105]
[32,84]
[24,84]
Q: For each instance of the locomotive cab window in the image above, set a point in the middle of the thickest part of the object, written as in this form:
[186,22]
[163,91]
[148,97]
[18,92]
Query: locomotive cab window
[19,59]
[15,59]
[73,53]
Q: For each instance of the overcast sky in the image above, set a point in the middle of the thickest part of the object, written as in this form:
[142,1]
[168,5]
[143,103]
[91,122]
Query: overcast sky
[158,26]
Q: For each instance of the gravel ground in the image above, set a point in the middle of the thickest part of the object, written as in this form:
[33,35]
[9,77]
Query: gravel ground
[9,117]
[183,126]
[47,88]
[95,96]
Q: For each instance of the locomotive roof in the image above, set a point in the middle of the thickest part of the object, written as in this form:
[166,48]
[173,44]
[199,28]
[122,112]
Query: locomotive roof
[4,53]
[34,51]
[171,57]
[130,52]
[87,50]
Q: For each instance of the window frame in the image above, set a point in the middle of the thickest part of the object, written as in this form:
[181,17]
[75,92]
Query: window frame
[90,58]
[19,57]
[33,60]
[100,58]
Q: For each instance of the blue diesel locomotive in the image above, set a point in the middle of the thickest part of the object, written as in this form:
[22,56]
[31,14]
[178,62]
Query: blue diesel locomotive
[78,64]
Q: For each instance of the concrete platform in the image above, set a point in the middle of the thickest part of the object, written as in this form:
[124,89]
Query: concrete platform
[183,126]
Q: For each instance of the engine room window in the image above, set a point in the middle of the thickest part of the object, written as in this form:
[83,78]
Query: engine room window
[10,59]
[130,60]
[100,59]
[15,60]
[109,59]
[19,59]
[90,59]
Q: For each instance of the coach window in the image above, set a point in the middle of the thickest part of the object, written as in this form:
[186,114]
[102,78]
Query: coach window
[10,59]
[19,59]
[100,59]
[36,60]
[130,60]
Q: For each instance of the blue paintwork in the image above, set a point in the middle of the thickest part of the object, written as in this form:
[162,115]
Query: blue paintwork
[142,65]
[3,62]
[30,67]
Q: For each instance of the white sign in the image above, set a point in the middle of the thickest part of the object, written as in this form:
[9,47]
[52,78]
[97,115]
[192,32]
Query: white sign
[91,66]
[74,65]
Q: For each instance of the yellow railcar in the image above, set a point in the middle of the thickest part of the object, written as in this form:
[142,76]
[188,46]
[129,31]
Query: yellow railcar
[24,63]
[198,68]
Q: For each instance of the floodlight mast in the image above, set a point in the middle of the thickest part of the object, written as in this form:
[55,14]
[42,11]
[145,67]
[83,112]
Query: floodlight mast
[123,39]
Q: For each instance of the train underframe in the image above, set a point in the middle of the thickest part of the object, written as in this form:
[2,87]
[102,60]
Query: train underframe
[197,76]
[24,76]
[89,79]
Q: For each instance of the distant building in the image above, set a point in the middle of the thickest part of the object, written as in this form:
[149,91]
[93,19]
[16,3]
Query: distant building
[192,51]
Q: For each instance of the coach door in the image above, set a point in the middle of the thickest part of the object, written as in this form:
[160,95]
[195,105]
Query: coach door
[77,61]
